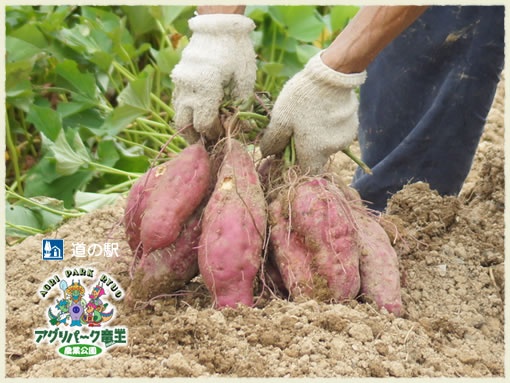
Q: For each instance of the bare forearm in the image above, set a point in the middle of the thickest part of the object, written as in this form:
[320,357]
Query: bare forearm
[367,34]
[207,9]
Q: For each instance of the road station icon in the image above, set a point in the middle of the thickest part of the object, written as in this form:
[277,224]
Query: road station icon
[53,249]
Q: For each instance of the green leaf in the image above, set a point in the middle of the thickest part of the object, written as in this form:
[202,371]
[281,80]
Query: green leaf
[47,219]
[67,109]
[29,219]
[306,52]
[92,201]
[281,41]
[272,68]
[102,59]
[31,34]
[120,118]
[340,17]
[79,146]
[18,71]
[132,159]
[81,83]
[60,187]
[256,12]
[301,22]
[181,23]
[20,216]
[140,19]
[20,95]
[101,17]
[107,152]
[18,87]
[16,16]
[137,93]
[78,39]
[69,160]
[166,58]
[45,169]
[46,121]
[256,38]
[19,50]
[167,14]
[90,119]
[55,18]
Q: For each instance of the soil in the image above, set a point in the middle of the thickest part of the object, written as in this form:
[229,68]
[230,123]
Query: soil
[451,253]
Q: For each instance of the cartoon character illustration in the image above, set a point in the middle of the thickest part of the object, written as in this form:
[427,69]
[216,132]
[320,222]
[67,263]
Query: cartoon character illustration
[75,313]
[75,294]
[63,313]
[94,313]
[94,317]
[97,293]
[74,306]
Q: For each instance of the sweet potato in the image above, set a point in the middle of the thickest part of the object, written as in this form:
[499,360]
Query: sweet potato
[233,230]
[136,204]
[163,271]
[320,217]
[288,250]
[380,276]
[179,192]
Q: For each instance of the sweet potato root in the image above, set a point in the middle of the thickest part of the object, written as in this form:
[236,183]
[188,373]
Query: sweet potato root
[380,276]
[233,230]
[329,236]
[162,220]
[163,271]
[178,194]
[288,250]
[317,256]
[136,204]
[323,222]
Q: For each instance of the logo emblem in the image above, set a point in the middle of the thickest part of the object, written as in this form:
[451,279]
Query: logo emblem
[79,319]
[53,249]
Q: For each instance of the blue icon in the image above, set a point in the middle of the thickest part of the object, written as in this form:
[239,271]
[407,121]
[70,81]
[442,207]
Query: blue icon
[53,249]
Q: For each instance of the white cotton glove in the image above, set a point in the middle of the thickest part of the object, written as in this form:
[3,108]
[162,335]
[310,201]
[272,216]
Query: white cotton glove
[320,108]
[219,61]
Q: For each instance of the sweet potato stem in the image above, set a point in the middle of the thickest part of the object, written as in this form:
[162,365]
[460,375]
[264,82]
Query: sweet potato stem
[357,160]
[253,116]
[289,155]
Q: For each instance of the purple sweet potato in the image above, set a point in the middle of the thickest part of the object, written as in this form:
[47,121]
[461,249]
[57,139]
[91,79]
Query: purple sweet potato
[292,258]
[233,230]
[136,204]
[380,276]
[178,194]
[328,229]
[163,271]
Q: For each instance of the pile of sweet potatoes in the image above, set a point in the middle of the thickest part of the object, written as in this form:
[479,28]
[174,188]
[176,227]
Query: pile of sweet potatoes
[328,246]
[162,222]
[182,218]
[191,216]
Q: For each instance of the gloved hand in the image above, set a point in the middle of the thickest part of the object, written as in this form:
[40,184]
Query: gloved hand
[220,55]
[320,108]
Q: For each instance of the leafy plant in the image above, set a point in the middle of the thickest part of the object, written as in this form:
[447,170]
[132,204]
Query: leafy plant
[88,96]
[288,36]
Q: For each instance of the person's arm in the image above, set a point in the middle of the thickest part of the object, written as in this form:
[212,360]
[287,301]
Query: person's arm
[318,106]
[367,34]
[209,9]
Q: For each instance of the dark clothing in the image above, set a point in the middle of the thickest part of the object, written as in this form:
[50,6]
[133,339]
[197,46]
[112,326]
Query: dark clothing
[425,101]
